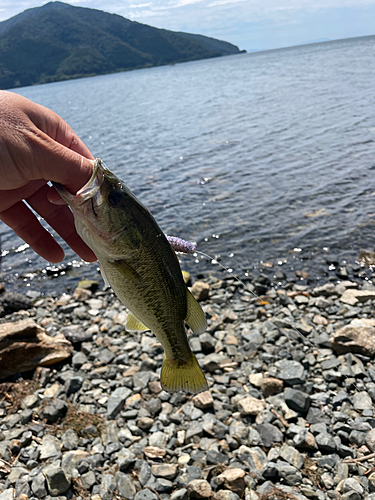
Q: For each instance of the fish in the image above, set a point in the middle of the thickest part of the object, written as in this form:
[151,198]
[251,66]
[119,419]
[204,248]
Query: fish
[139,263]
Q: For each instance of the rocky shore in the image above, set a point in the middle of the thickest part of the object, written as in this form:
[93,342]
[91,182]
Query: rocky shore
[289,413]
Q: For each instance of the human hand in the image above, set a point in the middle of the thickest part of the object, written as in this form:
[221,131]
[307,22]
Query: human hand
[37,146]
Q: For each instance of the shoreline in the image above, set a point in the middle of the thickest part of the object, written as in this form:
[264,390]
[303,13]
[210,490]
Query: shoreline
[297,267]
[289,412]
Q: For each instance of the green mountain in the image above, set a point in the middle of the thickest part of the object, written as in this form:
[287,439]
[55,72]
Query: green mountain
[58,41]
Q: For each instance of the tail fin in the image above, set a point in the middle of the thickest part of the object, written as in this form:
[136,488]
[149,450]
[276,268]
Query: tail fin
[187,377]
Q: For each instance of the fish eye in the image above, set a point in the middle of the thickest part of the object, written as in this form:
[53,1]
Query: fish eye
[115,199]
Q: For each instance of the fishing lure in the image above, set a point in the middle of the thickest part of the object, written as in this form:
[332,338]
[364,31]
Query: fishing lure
[180,245]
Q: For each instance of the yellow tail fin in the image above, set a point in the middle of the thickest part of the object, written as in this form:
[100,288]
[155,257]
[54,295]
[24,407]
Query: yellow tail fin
[187,378]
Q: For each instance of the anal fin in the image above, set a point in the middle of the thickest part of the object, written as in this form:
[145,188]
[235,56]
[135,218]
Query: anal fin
[195,317]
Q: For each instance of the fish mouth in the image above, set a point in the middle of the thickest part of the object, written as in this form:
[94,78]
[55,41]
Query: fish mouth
[86,192]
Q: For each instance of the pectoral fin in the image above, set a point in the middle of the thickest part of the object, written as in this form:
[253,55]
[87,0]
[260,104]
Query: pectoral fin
[105,279]
[195,316]
[134,325]
[124,268]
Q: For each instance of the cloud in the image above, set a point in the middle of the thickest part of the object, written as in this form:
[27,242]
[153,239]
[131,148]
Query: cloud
[237,21]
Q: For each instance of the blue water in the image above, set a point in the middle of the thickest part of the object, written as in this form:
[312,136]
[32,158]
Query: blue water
[252,156]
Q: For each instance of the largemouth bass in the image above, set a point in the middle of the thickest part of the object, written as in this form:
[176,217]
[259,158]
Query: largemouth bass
[138,262]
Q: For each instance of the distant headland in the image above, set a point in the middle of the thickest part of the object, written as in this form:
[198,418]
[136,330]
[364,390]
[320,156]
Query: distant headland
[59,42]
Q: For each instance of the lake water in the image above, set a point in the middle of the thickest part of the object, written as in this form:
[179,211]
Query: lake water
[256,157]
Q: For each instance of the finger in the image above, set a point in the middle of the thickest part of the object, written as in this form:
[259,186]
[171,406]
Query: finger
[66,137]
[24,223]
[61,219]
[55,198]
[9,198]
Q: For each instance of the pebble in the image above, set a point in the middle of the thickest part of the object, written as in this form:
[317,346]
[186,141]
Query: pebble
[281,410]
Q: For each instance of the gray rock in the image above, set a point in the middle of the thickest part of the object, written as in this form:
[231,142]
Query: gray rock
[297,400]
[71,459]
[125,486]
[215,428]
[57,409]
[226,495]
[211,362]
[270,434]
[38,486]
[362,401]
[76,334]
[370,440]
[57,481]
[194,430]
[255,457]
[140,380]
[153,406]
[325,442]
[351,484]
[88,480]
[181,494]
[291,455]
[125,459]
[78,359]
[116,401]
[163,485]
[108,486]
[144,473]
[50,448]
[7,494]
[31,401]
[69,440]
[146,494]
[73,384]
[351,495]
[291,372]
[290,474]
[22,488]
[214,457]
[106,357]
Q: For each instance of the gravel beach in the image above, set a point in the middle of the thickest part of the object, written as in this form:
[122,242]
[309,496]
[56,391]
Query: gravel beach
[289,413]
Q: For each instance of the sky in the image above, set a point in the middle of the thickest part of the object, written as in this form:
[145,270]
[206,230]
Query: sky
[249,24]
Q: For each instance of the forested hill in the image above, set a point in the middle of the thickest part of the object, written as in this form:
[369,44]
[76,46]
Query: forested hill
[58,41]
